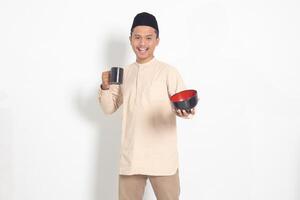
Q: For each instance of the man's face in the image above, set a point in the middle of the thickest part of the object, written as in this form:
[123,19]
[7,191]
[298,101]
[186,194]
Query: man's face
[143,41]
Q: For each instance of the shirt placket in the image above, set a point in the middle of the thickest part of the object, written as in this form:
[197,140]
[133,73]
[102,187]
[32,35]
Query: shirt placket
[137,86]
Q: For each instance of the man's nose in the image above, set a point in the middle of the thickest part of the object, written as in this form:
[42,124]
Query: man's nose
[142,41]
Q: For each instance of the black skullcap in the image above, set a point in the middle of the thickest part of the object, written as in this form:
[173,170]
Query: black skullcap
[145,19]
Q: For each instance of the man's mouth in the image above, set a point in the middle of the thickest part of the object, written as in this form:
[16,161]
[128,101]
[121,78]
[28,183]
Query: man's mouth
[142,50]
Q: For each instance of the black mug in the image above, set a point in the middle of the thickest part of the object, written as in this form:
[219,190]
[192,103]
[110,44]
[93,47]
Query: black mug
[116,75]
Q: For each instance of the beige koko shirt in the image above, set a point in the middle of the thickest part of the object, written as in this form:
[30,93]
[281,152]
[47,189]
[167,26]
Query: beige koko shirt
[149,140]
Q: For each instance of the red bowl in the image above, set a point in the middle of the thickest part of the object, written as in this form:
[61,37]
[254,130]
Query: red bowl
[185,100]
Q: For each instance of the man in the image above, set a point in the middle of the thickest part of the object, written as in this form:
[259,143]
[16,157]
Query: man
[149,140]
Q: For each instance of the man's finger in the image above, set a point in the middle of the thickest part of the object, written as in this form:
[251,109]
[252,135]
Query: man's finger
[193,111]
[178,111]
[184,112]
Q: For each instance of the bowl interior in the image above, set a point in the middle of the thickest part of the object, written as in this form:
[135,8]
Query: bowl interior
[183,95]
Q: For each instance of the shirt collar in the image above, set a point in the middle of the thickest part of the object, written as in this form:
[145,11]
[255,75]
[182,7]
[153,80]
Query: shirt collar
[149,63]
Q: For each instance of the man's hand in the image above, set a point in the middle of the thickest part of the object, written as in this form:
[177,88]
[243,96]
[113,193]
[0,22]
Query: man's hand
[105,80]
[184,114]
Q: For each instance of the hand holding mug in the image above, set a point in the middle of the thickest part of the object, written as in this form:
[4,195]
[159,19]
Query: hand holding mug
[114,76]
[105,80]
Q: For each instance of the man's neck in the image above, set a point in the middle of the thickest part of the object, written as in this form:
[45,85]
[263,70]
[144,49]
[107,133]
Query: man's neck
[144,61]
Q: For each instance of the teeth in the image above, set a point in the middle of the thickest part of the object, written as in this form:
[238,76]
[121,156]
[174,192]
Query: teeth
[142,49]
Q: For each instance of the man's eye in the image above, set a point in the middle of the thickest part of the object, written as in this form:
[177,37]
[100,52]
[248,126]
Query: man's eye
[149,38]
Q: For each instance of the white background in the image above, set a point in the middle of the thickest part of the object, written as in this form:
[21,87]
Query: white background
[241,56]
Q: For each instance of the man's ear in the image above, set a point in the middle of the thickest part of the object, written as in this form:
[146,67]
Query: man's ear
[130,40]
[157,41]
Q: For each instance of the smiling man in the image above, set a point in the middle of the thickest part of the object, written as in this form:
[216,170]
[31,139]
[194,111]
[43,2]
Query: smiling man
[149,139]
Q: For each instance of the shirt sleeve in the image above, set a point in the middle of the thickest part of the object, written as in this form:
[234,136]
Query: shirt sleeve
[174,82]
[111,99]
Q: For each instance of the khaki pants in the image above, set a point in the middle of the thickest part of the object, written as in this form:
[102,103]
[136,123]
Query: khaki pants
[132,187]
